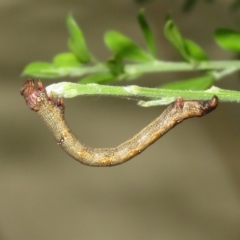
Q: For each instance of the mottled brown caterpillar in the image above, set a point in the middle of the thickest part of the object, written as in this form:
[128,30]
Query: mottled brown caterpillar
[52,114]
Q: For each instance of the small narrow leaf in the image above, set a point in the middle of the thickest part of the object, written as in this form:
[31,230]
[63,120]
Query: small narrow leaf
[103,78]
[194,51]
[174,36]
[40,69]
[228,39]
[66,60]
[147,32]
[124,47]
[77,42]
[188,49]
[199,83]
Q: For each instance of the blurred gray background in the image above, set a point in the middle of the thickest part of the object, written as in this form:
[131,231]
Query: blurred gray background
[185,186]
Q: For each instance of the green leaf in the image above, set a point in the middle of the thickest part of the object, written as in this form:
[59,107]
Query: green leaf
[195,52]
[188,49]
[147,33]
[124,47]
[116,65]
[48,70]
[66,60]
[77,42]
[40,69]
[228,39]
[174,36]
[98,78]
[198,83]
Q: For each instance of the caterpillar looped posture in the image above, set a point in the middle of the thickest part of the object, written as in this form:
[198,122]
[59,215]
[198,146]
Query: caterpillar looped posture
[52,113]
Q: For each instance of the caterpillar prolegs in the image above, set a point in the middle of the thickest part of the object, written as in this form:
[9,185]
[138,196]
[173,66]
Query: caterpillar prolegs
[52,113]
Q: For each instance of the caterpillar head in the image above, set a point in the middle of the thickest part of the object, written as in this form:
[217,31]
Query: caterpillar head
[33,95]
[36,97]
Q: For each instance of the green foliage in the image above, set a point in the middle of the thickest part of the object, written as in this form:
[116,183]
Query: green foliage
[41,69]
[66,60]
[147,32]
[76,42]
[228,39]
[100,78]
[188,49]
[128,60]
[116,65]
[198,83]
[63,64]
[125,48]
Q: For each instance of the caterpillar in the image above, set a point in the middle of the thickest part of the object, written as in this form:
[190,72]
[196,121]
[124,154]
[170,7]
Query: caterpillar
[52,113]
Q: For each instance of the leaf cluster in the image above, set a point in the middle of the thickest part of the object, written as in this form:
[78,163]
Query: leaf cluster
[128,60]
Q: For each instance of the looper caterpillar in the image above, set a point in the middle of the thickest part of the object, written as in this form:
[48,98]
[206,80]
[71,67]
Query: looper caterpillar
[52,114]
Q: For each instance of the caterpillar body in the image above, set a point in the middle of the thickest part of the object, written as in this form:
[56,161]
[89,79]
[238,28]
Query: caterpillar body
[52,113]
